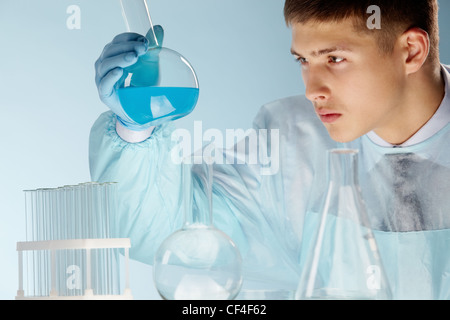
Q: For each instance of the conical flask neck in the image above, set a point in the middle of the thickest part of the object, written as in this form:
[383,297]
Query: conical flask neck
[342,167]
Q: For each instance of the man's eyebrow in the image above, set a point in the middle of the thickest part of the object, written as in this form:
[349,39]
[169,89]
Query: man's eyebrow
[323,51]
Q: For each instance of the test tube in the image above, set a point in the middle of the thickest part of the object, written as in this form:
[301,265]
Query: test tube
[71,212]
[91,226]
[106,252]
[57,202]
[102,234]
[72,264]
[49,226]
[29,258]
[64,235]
[55,230]
[81,209]
[111,195]
[39,222]
[45,229]
[68,227]
[101,252]
[109,252]
[111,191]
[29,211]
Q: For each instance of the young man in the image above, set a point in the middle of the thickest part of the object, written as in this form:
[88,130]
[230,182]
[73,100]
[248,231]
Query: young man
[379,90]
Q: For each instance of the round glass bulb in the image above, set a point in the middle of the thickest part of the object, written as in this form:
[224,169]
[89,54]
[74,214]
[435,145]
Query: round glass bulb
[161,86]
[198,262]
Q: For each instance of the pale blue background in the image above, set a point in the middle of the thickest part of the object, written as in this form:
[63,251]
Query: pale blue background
[48,99]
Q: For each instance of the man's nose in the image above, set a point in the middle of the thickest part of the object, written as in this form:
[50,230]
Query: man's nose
[316,88]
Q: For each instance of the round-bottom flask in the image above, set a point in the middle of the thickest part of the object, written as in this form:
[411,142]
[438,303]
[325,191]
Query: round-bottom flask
[162,85]
[198,262]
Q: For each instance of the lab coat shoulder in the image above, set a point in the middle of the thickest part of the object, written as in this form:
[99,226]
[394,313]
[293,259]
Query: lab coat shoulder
[303,142]
[285,112]
[300,129]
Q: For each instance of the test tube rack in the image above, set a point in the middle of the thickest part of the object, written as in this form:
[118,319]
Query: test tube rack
[70,252]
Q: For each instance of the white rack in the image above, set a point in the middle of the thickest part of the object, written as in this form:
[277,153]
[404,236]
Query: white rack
[74,244]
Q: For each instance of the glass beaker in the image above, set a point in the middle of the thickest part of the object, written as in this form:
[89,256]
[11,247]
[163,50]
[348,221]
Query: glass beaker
[344,261]
[198,262]
[162,85]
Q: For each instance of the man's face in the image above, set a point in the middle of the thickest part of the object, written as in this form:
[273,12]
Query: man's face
[354,87]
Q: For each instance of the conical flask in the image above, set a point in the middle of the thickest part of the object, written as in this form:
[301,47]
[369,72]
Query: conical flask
[344,261]
[198,262]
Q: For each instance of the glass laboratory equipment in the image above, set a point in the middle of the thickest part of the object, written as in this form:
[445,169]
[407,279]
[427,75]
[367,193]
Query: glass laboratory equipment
[198,262]
[162,85]
[70,250]
[344,261]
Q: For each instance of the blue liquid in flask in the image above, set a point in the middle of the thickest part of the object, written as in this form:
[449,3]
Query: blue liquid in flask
[147,104]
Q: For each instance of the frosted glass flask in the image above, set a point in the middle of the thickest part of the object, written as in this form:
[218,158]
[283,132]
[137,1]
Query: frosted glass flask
[343,262]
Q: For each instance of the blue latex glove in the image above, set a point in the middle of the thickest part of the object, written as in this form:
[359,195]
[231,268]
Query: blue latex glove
[113,65]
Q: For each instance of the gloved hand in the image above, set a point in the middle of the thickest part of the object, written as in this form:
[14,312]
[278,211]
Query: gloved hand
[111,69]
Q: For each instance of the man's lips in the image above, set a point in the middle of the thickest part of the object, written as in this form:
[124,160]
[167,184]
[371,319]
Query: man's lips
[328,116]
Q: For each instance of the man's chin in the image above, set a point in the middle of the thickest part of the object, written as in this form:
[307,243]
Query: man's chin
[342,137]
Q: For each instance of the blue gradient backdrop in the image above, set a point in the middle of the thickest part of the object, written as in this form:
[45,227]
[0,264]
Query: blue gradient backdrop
[48,99]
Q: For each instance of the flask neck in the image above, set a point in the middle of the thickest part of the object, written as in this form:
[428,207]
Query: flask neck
[197,218]
[197,194]
[343,166]
[136,15]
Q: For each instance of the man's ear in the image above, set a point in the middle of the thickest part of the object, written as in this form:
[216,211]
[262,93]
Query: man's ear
[415,44]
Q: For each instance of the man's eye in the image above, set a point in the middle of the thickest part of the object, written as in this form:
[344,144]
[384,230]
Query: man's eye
[301,60]
[336,59]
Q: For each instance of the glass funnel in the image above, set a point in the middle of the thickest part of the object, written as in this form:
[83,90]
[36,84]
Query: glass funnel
[197,262]
[344,261]
[162,85]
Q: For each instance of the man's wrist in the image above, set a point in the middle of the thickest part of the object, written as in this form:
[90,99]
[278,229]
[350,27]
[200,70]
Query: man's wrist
[133,136]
